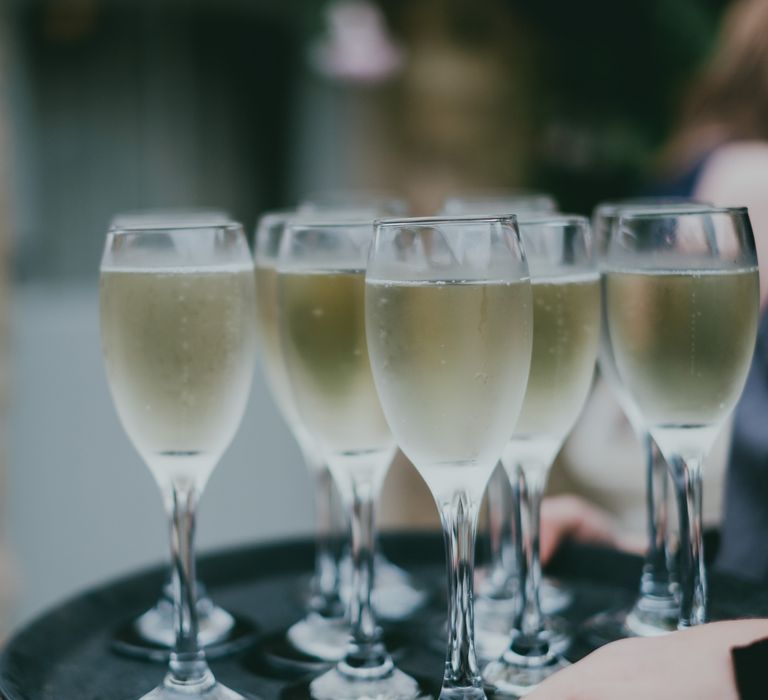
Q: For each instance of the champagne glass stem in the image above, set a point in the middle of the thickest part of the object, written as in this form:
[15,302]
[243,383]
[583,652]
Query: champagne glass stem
[462,676]
[688,478]
[326,600]
[656,578]
[502,567]
[187,666]
[366,654]
[529,621]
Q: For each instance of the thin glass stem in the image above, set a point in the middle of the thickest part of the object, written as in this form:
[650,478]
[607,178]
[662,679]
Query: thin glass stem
[366,656]
[326,598]
[693,578]
[503,562]
[462,676]
[529,620]
[656,580]
[187,666]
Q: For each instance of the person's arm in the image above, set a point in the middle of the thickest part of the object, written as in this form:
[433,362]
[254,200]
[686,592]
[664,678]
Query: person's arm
[695,664]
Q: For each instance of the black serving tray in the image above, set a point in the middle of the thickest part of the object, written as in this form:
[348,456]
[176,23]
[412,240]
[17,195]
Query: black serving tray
[65,654]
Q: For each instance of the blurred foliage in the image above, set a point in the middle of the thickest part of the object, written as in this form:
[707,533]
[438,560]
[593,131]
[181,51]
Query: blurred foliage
[612,78]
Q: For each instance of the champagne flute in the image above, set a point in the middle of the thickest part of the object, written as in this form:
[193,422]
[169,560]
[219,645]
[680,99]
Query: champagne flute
[151,635]
[657,607]
[681,290]
[321,318]
[396,595]
[448,315]
[497,589]
[323,632]
[566,331]
[177,306]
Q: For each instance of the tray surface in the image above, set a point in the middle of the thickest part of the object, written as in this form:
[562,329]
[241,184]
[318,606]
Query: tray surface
[65,654]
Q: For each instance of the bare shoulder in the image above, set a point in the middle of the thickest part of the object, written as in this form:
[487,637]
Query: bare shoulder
[736,173]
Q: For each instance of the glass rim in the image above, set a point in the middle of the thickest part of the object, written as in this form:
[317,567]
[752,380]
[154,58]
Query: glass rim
[275,215]
[701,210]
[434,220]
[300,223]
[612,207]
[552,219]
[157,227]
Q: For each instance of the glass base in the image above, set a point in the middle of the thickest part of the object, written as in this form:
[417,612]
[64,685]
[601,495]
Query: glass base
[650,617]
[156,624]
[150,636]
[653,616]
[553,596]
[492,635]
[395,685]
[395,595]
[320,637]
[462,694]
[206,690]
[516,675]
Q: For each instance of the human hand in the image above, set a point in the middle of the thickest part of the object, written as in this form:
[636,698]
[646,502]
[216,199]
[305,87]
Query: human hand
[564,517]
[691,665]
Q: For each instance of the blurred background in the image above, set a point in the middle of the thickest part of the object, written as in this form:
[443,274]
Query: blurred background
[245,105]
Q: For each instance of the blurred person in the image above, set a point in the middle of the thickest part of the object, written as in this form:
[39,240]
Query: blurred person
[718,153]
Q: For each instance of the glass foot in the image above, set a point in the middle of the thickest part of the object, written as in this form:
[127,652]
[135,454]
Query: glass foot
[492,634]
[462,694]
[320,637]
[516,675]
[650,617]
[150,636]
[156,625]
[395,685]
[653,616]
[207,690]
[554,596]
[395,595]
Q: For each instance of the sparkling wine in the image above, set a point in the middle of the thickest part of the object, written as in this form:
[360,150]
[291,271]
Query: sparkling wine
[566,331]
[179,346]
[322,324]
[610,373]
[683,341]
[452,363]
[272,359]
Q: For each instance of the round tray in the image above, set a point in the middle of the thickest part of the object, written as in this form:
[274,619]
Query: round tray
[66,653]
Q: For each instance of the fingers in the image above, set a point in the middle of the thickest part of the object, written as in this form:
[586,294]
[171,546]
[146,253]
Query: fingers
[571,516]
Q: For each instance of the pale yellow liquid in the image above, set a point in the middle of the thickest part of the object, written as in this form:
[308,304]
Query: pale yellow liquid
[272,359]
[566,333]
[451,363]
[683,341]
[179,348]
[321,316]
